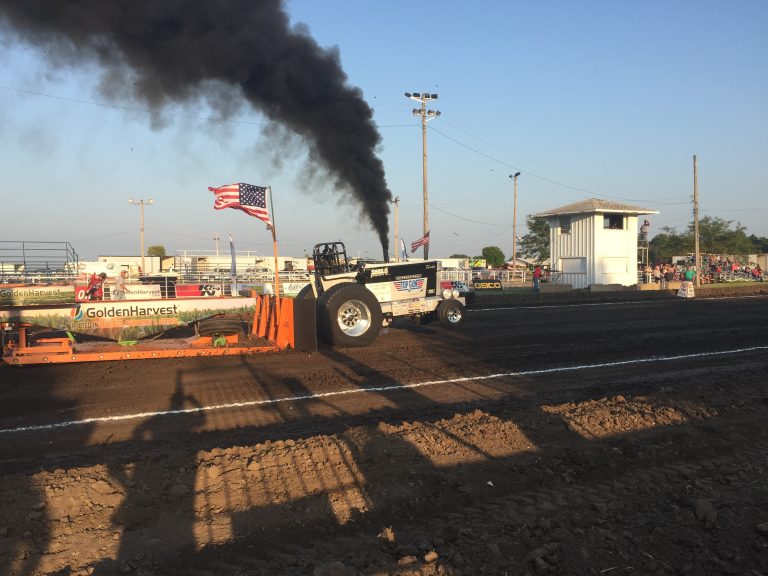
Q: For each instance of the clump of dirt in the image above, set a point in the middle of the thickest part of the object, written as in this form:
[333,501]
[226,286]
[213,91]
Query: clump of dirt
[468,494]
[504,467]
[608,417]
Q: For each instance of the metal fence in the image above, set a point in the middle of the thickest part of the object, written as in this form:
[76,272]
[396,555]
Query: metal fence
[35,261]
[506,277]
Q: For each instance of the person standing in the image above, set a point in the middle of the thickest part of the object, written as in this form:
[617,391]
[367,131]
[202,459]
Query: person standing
[91,281]
[118,292]
[644,231]
[536,278]
[669,273]
[95,290]
[648,273]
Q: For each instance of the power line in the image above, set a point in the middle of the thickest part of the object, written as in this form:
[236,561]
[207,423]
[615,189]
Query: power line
[528,173]
[547,164]
[131,231]
[505,226]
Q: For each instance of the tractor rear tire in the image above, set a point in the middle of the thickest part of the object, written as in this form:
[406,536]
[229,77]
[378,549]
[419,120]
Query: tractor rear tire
[349,316]
[306,293]
[219,325]
[451,314]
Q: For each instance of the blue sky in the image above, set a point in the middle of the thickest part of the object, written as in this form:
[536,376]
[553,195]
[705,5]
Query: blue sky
[605,99]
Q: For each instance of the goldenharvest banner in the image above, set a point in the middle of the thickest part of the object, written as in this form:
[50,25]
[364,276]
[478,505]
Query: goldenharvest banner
[127,320]
[26,295]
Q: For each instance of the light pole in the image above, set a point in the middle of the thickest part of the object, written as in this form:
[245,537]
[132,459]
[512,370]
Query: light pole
[141,203]
[696,254]
[426,116]
[514,223]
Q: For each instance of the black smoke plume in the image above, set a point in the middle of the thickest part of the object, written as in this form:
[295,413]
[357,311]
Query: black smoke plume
[176,50]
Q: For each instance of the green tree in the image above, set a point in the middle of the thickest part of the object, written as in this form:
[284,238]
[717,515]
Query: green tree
[493,256]
[156,251]
[459,256]
[535,244]
[760,243]
[667,244]
[715,237]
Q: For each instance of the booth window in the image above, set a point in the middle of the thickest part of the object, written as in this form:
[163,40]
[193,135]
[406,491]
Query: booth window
[613,221]
[565,224]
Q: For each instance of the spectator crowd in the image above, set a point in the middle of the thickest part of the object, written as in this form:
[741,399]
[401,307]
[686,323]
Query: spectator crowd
[715,268]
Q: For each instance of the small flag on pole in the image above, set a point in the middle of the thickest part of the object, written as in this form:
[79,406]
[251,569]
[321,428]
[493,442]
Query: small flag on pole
[233,264]
[246,197]
[420,242]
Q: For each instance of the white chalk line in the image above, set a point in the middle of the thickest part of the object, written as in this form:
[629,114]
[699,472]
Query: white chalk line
[389,388]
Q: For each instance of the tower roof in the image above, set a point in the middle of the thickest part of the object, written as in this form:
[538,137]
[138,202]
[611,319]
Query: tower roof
[595,205]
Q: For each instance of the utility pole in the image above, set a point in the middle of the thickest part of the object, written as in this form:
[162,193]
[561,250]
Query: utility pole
[216,240]
[696,255]
[514,177]
[397,247]
[426,116]
[141,203]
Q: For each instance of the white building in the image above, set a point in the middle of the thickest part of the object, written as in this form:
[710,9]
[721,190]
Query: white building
[594,242]
[244,264]
[112,265]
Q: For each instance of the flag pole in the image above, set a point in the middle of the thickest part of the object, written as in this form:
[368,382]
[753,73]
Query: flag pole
[232,265]
[277,266]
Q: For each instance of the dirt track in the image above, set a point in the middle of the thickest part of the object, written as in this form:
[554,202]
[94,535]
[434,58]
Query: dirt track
[594,438]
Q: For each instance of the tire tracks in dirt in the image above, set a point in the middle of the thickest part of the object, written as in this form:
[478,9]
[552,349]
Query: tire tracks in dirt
[658,466]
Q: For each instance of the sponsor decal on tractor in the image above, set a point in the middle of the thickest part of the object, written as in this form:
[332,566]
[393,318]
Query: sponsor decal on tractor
[409,285]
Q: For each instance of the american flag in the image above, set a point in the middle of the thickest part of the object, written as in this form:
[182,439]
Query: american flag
[419,243]
[246,197]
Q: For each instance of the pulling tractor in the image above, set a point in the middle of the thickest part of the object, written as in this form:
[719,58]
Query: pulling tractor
[354,300]
[346,303]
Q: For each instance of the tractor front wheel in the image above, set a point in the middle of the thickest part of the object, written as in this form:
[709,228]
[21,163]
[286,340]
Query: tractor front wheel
[450,313]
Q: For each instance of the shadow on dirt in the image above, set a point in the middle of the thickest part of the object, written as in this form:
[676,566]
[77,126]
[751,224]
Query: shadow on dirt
[374,471]
[283,494]
[25,519]
[142,524]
